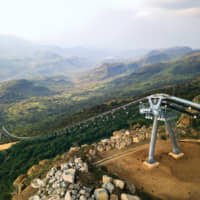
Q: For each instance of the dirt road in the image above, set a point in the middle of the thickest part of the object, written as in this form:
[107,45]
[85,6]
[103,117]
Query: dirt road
[171,180]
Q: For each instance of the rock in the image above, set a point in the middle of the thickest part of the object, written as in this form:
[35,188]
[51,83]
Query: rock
[64,166]
[84,168]
[58,174]
[113,197]
[78,160]
[51,172]
[101,194]
[108,147]
[131,187]
[119,183]
[82,192]
[84,145]
[127,132]
[100,148]
[128,141]
[109,187]
[87,189]
[129,197]
[68,196]
[106,178]
[37,183]
[92,152]
[35,197]
[136,140]
[121,145]
[82,198]
[72,149]
[69,175]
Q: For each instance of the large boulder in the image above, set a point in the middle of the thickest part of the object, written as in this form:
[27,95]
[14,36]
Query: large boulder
[129,197]
[101,194]
[69,175]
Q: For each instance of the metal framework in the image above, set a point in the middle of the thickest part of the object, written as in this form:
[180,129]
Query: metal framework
[160,107]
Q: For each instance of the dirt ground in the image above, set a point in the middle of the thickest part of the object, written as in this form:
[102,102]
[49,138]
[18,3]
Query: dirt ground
[6,146]
[171,180]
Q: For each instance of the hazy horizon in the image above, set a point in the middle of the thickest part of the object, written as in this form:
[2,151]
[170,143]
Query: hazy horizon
[120,24]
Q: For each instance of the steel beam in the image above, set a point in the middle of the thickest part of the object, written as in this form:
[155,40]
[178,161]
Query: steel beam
[151,159]
[175,148]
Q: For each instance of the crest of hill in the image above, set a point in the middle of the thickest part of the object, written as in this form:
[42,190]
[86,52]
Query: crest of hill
[157,75]
[108,71]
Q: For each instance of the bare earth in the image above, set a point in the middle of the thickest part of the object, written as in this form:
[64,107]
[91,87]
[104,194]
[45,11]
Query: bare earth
[171,180]
[6,146]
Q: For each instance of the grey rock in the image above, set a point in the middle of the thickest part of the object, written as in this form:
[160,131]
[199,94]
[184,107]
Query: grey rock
[69,175]
[101,194]
[119,183]
[83,192]
[109,187]
[82,197]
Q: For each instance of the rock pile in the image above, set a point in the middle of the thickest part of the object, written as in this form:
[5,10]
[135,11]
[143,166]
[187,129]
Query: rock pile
[120,140]
[61,183]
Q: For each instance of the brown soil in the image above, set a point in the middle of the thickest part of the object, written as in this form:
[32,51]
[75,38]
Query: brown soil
[171,180]
[6,146]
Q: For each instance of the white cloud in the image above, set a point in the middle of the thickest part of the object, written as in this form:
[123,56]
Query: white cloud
[104,23]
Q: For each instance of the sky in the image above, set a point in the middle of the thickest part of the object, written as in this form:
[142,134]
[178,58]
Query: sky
[116,24]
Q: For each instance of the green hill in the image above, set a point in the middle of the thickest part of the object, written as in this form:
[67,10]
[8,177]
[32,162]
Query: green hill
[110,71]
[18,159]
[157,75]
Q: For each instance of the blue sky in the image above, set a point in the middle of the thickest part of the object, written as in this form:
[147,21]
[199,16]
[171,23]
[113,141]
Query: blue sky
[122,24]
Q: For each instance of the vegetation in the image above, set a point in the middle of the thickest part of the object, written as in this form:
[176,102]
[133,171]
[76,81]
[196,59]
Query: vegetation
[38,106]
[18,159]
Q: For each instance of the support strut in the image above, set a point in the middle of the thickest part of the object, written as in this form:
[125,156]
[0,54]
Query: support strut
[151,159]
[175,148]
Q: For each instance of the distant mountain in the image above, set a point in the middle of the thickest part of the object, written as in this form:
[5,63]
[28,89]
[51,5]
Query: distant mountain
[157,75]
[23,59]
[114,70]
[170,51]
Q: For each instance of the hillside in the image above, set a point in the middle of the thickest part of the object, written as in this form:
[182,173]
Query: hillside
[35,106]
[22,156]
[107,71]
[157,75]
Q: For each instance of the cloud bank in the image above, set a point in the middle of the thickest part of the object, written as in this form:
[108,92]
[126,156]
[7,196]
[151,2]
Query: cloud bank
[122,24]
